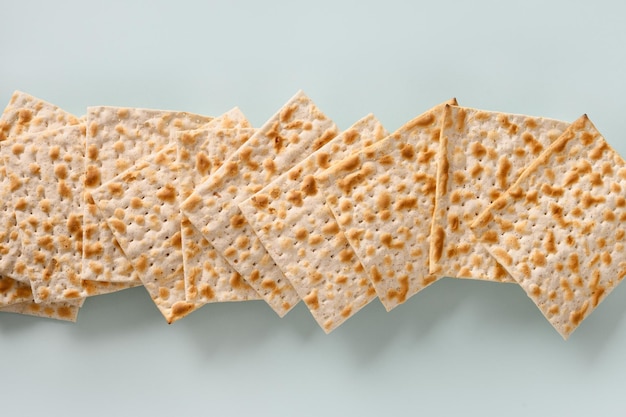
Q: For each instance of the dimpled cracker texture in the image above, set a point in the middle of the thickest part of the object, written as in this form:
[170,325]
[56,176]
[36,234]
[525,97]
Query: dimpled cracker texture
[17,297]
[65,311]
[47,169]
[141,207]
[23,115]
[117,137]
[10,245]
[482,153]
[27,114]
[297,130]
[13,291]
[208,276]
[560,229]
[383,198]
[291,219]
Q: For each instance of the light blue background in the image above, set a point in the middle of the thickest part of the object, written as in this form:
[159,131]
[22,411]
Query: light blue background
[459,347]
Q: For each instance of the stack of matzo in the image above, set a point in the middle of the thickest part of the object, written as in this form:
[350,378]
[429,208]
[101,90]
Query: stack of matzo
[559,230]
[200,209]
[383,199]
[298,230]
[297,130]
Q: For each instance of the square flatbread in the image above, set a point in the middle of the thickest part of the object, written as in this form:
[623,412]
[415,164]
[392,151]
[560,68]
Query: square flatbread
[23,115]
[117,137]
[46,173]
[560,229]
[208,276]
[298,129]
[149,227]
[141,208]
[383,198]
[46,184]
[25,118]
[291,219]
[481,154]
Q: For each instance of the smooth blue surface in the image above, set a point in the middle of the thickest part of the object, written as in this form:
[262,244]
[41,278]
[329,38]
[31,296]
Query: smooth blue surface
[459,347]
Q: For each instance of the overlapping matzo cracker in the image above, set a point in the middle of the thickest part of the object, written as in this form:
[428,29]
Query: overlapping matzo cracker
[298,129]
[383,198]
[141,207]
[291,219]
[46,172]
[208,276]
[116,138]
[481,154]
[23,121]
[202,151]
[23,115]
[560,229]
[27,114]
[66,311]
[167,291]
[24,118]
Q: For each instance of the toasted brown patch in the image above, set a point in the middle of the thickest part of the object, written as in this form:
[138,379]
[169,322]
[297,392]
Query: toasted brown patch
[167,194]
[92,177]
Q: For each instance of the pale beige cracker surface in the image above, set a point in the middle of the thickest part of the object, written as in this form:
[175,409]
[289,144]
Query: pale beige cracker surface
[152,239]
[65,311]
[208,276]
[46,172]
[23,115]
[141,208]
[481,154]
[291,219]
[202,151]
[24,118]
[383,198]
[10,245]
[297,130]
[117,137]
[13,258]
[46,185]
[560,229]
[27,114]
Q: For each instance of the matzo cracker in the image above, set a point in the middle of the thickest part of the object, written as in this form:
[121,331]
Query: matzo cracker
[141,208]
[298,129]
[481,154]
[208,276]
[117,137]
[65,311]
[24,115]
[27,114]
[560,229]
[383,198]
[46,172]
[291,219]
